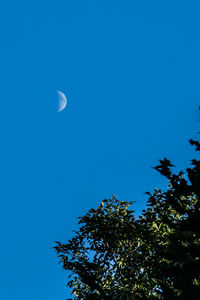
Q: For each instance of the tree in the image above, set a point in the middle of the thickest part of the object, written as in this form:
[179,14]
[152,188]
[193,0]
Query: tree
[113,255]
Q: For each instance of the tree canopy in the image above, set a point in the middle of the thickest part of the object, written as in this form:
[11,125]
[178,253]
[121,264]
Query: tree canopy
[115,255]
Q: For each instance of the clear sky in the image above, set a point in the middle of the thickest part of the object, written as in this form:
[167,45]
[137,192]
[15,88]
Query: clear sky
[131,73]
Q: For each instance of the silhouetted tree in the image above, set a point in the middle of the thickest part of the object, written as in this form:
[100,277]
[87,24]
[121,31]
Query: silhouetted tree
[113,255]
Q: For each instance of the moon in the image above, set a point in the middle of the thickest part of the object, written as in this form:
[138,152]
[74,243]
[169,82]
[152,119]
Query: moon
[62,101]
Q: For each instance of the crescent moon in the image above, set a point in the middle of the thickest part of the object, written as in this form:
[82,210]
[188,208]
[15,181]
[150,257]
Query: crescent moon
[62,101]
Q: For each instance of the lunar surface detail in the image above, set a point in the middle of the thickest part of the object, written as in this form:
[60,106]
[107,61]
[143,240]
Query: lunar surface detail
[62,101]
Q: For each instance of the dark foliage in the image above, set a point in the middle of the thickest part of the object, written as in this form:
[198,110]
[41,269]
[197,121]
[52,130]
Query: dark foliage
[157,256]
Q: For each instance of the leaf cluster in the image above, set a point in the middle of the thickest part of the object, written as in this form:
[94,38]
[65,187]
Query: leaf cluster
[113,255]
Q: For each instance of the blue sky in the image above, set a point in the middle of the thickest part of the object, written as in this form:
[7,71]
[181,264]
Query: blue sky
[131,72]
